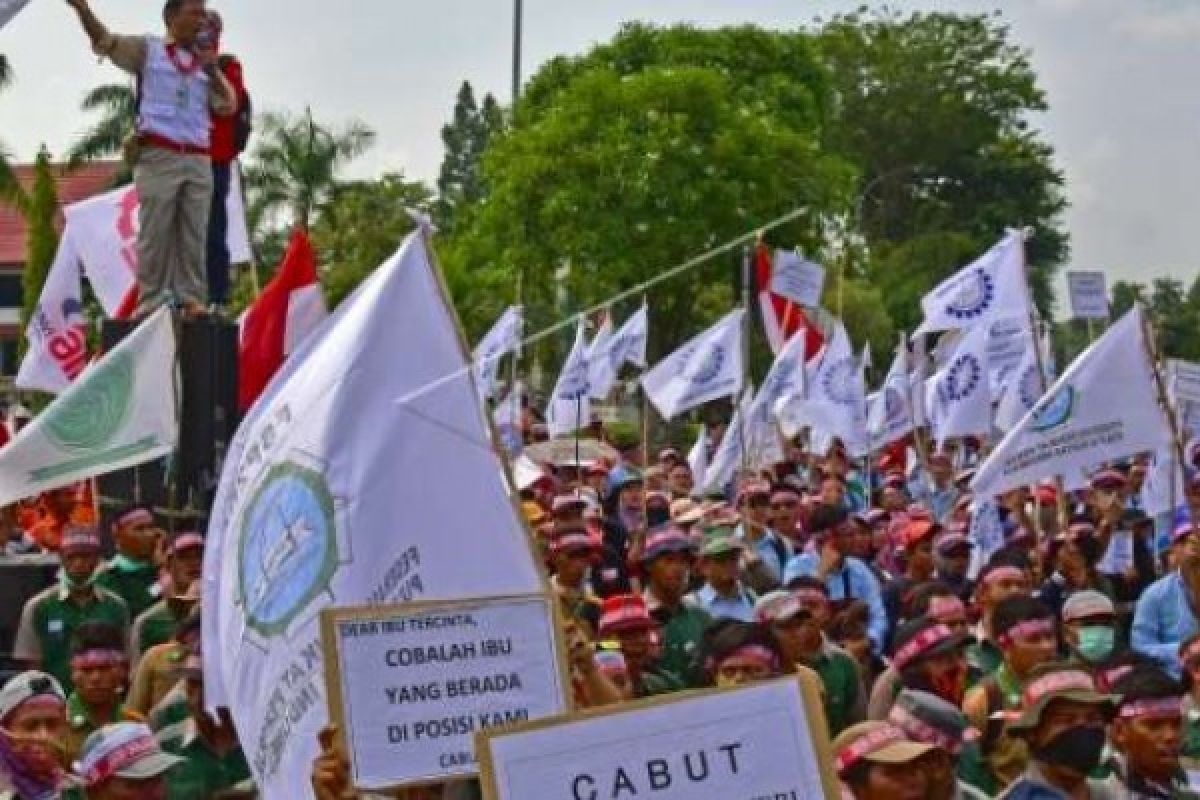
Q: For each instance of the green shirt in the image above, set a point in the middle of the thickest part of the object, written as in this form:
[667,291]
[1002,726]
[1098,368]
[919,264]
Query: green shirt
[80,725]
[156,625]
[984,657]
[170,714]
[682,630]
[203,772]
[134,582]
[50,620]
[844,702]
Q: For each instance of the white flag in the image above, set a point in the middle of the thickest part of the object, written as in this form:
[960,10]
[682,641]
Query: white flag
[709,366]
[959,396]
[729,453]
[1007,344]
[697,459]
[1022,389]
[991,287]
[335,492]
[105,227]
[9,9]
[1158,495]
[1104,407]
[121,412]
[57,331]
[836,404]
[570,405]
[503,338]
[892,413]
[609,351]
[786,380]
[986,533]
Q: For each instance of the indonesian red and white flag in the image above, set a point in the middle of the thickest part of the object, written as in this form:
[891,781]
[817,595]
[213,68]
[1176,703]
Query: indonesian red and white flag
[289,308]
[104,229]
[780,316]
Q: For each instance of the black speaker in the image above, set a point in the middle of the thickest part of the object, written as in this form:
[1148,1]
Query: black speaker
[207,350]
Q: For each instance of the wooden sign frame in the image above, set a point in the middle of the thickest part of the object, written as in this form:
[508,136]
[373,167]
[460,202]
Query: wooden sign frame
[805,682]
[335,700]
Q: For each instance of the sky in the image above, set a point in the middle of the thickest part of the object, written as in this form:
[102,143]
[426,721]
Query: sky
[1119,75]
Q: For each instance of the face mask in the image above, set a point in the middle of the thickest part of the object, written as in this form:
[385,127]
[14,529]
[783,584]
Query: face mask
[1078,748]
[73,584]
[1096,643]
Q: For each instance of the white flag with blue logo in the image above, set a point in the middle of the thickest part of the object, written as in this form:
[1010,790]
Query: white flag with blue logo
[570,405]
[836,404]
[1022,389]
[1104,407]
[334,492]
[697,459]
[958,397]
[708,367]
[989,288]
[891,416]
[609,351]
[503,338]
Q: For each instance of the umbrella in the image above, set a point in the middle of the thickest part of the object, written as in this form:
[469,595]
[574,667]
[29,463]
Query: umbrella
[565,452]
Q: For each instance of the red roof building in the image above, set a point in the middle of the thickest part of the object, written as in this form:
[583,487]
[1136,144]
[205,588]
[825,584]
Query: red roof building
[73,186]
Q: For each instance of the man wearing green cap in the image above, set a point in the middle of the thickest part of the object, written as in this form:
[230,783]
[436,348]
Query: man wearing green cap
[723,595]
[1063,721]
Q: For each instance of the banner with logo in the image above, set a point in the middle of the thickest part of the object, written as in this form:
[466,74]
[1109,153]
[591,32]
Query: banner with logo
[958,396]
[360,477]
[105,229]
[570,404]
[1088,294]
[57,331]
[9,9]
[708,367]
[609,352]
[1104,407]
[891,416]
[836,404]
[989,288]
[122,411]
[503,338]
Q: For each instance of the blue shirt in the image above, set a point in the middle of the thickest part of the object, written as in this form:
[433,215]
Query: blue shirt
[940,502]
[739,607]
[858,578]
[768,548]
[1162,620]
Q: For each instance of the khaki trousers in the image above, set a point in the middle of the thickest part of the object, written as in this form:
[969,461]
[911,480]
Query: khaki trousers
[175,192]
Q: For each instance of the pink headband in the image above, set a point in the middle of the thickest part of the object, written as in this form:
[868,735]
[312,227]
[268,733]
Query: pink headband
[1152,707]
[922,731]
[764,656]
[813,596]
[135,515]
[1065,680]
[1003,573]
[942,607]
[97,658]
[51,702]
[863,746]
[185,540]
[1025,630]
[919,644]
[112,763]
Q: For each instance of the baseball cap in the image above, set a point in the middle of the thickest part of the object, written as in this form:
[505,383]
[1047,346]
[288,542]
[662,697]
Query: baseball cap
[685,511]
[1057,682]
[720,541]
[923,637]
[26,686]
[123,750]
[624,612]
[79,539]
[875,742]
[1087,603]
[927,718]
[778,605]
[667,539]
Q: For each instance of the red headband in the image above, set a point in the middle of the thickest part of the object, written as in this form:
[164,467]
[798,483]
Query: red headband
[921,730]
[863,746]
[763,656]
[1001,573]
[128,753]
[813,596]
[1024,630]
[97,658]
[942,607]
[51,702]
[1066,680]
[1151,707]
[924,640]
[135,515]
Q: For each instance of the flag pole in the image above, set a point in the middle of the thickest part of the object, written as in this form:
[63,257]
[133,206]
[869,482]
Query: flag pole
[1150,342]
[746,330]
[918,439]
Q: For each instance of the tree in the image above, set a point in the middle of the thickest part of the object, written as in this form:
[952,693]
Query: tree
[360,225]
[465,138]
[40,211]
[934,111]
[10,189]
[116,103]
[636,157]
[295,165]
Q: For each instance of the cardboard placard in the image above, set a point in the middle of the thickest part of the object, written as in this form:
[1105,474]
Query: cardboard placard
[1089,295]
[797,279]
[763,740]
[409,685]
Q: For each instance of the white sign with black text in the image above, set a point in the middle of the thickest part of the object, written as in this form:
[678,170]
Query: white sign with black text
[797,279]
[1089,295]
[411,686]
[740,744]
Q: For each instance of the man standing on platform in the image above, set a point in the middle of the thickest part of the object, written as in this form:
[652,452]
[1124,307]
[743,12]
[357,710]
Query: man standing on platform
[179,87]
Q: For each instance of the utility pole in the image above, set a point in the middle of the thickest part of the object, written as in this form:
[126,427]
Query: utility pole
[516,53]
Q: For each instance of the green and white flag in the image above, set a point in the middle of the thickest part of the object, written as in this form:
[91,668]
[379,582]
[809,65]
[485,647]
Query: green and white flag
[120,412]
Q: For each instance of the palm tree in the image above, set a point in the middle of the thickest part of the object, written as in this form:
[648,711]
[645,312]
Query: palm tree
[10,189]
[295,165]
[117,106]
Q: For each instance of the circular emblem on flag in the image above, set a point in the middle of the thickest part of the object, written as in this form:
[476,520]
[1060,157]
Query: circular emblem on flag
[963,378]
[1054,410]
[973,297]
[839,381]
[893,405]
[575,384]
[616,350]
[708,367]
[91,414]
[1029,388]
[288,547]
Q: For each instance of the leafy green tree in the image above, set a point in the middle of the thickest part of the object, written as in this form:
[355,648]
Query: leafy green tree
[10,189]
[295,164]
[465,138]
[116,105]
[360,225]
[933,109]
[1125,294]
[40,211]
